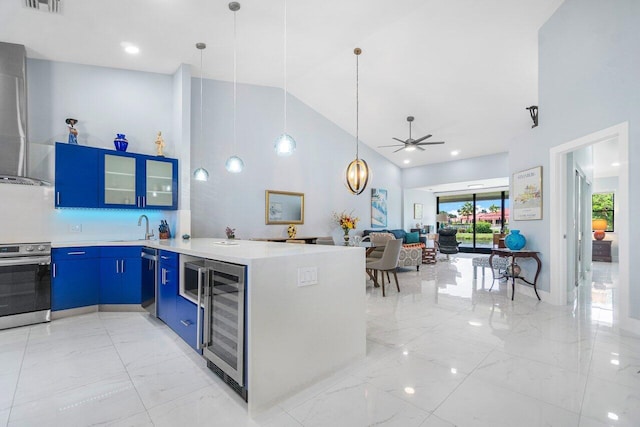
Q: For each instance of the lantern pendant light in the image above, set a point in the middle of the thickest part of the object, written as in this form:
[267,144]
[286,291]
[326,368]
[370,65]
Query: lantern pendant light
[234,164]
[357,173]
[201,174]
[285,145]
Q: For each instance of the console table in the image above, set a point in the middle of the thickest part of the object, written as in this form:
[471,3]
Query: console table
[506,253]
[601,250]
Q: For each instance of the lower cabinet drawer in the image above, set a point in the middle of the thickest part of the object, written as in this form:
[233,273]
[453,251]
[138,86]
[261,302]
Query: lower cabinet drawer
[186,322]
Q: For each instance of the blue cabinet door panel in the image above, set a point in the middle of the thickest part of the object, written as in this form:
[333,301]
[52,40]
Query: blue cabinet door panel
[76,176]
[75,278]
[167,287]
[187,322]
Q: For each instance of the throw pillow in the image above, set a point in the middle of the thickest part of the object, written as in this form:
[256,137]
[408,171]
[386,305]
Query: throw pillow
[413,237]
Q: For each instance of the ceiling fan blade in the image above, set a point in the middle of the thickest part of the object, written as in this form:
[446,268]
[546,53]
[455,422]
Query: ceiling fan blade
[399,140]
[420,148]
[430,143]
[399,149]
[394,145]
[422,139]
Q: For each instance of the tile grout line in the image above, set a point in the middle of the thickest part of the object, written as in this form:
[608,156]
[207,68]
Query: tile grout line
[125,369]
[15,391]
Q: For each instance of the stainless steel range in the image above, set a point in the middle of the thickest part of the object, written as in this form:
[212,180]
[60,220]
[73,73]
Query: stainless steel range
[25,284]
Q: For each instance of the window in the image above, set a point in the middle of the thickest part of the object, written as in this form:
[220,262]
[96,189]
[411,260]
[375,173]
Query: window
[602,208]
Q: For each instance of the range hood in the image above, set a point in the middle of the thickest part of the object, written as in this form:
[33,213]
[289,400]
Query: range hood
[13,116]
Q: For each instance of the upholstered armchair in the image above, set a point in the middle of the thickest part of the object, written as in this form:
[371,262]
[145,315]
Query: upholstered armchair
[447,242]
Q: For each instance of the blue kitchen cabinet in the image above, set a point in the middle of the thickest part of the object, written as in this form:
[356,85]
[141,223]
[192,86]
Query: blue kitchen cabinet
[120,275]
[88,177]
[75,277]
[187,322]
[168,277]
[137,181]
[76,176]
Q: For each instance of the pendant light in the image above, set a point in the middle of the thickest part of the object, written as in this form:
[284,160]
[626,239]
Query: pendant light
[358,171]
[234,164]
[201,174]
[285,145]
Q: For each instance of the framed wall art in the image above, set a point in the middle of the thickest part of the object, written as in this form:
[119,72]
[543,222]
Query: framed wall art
[417,211]
[527,194]
[378,208]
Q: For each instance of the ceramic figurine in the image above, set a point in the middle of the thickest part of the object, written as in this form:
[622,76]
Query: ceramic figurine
[159,144]
[73,132]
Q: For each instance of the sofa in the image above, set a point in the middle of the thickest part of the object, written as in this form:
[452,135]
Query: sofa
[411,253]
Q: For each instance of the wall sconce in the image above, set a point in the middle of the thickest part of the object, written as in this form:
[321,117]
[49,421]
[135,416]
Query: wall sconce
[533,111]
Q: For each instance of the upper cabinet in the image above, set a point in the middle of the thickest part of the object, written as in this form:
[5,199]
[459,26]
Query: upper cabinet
[112,179]
[76,176]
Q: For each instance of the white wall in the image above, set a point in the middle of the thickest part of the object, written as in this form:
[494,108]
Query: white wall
[588,81]
[316,168]
[106,101]
[483,167]
[428,201]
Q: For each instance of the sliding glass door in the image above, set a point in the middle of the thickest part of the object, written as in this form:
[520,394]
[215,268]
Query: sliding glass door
[477,217]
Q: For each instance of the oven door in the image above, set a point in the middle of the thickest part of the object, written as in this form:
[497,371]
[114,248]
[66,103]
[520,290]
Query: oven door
[25,285]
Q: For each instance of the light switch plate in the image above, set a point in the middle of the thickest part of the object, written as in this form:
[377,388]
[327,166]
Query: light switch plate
[307,276]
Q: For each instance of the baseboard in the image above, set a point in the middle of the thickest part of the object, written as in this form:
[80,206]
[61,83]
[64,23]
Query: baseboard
[121,307]
[527,290]
[61,314]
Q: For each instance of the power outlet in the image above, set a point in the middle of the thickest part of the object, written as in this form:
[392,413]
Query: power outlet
[75,228]
[307,276]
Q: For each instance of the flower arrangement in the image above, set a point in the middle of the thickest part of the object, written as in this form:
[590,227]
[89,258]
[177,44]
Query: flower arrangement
[346,221]
[230,232]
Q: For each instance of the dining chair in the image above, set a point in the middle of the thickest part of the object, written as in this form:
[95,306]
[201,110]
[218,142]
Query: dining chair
[388,263]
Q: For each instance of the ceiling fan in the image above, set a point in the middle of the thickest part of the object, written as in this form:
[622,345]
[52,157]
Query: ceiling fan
[411,144]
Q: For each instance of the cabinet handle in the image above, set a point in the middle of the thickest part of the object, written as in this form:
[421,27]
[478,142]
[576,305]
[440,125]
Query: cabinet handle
[117,267]
[186,322]
[57,198]
[164,257]
[76,253]
[144,201]
[54,270]
[199,315]
[163,280]
[138,202]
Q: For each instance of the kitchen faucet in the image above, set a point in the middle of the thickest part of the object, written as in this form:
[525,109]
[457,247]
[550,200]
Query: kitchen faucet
[147,235]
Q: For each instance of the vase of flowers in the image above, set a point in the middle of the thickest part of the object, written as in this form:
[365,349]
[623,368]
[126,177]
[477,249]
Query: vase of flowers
[230,232]
[347,222]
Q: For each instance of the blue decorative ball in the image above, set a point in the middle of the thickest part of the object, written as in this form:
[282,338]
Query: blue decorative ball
[515,241]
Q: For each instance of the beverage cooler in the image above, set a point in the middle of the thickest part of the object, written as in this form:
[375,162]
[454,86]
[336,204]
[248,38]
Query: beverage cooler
[219,288]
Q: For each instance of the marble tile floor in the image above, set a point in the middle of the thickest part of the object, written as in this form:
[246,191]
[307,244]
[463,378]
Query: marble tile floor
[442,352]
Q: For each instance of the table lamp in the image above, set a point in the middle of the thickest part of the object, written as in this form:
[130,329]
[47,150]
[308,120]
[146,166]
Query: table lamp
[442,218]
[598,225]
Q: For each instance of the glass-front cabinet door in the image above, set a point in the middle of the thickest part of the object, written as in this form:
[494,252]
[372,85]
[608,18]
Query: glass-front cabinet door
[120,181]
[159,184]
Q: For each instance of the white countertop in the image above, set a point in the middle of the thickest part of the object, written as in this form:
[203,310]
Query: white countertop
[235,251]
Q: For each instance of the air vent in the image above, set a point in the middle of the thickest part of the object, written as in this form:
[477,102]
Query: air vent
[52,6]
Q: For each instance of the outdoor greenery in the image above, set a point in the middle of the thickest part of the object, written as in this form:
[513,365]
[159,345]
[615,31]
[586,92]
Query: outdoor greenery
[480,237]
[602,208]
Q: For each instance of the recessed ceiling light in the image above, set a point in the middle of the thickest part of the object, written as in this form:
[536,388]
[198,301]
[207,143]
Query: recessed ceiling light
[472,323]
[615,362]
[455,152]
[406,161]
[409,390]
[475,185]
[130,48]
[612,416]
[454,371]
[615,164]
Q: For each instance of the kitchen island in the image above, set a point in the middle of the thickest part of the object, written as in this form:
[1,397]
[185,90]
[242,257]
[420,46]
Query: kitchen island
[304,312]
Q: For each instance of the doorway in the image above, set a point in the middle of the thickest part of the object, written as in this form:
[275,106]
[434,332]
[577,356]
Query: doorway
[560,231]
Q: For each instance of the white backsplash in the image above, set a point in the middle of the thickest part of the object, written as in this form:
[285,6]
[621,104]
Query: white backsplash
[27,214]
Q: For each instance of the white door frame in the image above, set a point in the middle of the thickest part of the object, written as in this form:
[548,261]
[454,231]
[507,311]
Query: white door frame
[558,214]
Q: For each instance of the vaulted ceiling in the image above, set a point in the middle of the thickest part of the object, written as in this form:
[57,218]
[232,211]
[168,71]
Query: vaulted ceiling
[466,69]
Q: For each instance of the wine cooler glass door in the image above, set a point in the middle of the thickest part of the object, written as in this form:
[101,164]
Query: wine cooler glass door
[224,318]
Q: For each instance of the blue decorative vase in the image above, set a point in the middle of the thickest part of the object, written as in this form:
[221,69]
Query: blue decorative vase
[515,241]
[121,142]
